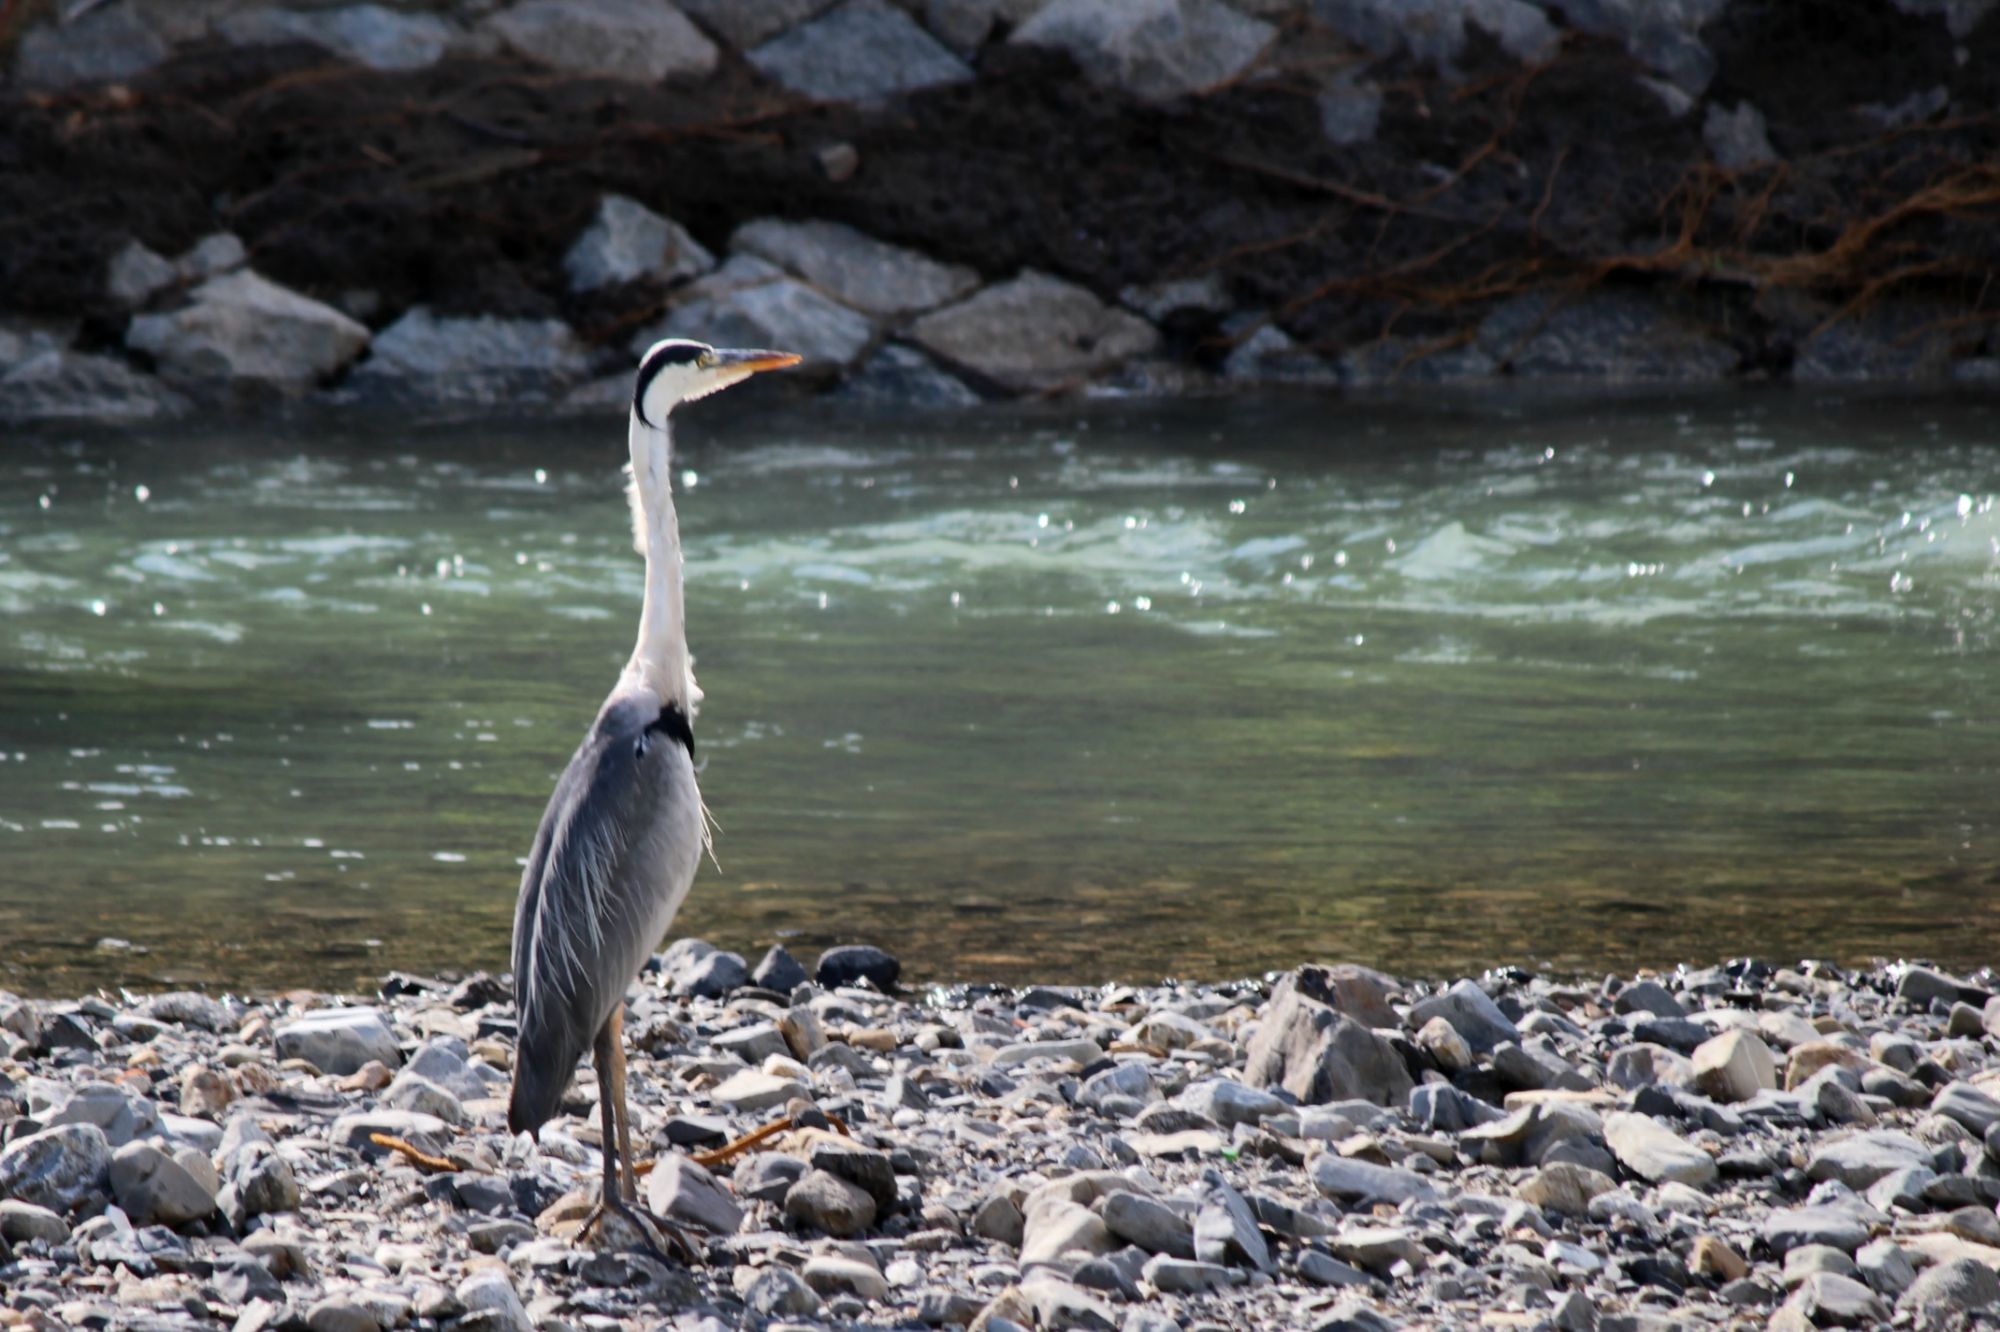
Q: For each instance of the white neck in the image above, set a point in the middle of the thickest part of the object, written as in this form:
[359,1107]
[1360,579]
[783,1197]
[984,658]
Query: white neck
[660,658]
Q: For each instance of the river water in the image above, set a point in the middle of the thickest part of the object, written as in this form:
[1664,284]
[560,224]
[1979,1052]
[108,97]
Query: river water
[1065,693]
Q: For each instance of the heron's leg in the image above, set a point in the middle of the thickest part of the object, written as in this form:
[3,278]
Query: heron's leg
[615,1030]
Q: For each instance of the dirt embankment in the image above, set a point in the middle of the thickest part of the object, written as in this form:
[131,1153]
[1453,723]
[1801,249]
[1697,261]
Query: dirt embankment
[463,184]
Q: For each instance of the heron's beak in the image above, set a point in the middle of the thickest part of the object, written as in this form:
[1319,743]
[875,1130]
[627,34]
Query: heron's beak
[740,363]
[722,368]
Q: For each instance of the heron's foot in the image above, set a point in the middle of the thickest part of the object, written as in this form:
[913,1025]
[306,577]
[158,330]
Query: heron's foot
[666,1240]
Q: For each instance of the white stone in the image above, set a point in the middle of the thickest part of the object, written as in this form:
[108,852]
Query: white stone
[371,35]
[136,273]
[1734,1066]
[1151,48]
[242,328]
[863,50]
[339,1040]
[751,1091]
[750,303]
[855,269]
[680,1190]
[645,41]
[109,44]
[1656,1153]
[491,1293]
[479,358]
[627,240]
[1034,332]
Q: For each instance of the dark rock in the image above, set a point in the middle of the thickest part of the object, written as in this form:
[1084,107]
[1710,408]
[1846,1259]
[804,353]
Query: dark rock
[779,971]
[851,963]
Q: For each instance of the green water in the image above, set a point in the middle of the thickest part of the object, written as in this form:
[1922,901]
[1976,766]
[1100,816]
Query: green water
[1069,693]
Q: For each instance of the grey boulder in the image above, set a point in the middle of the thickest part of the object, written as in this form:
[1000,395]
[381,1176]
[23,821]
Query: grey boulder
[370,35]
[1151,48]
[750,303]
[1471,1013]
[1034,333]
[56,1168]
[863,50]
[482,359]
[642,41]
[1321,1055]
[854,268]
[109,44]
[339,1040]
[626,241]
[153,1188]
[242,330]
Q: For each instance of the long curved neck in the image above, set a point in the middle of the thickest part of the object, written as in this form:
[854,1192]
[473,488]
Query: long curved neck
[660,658]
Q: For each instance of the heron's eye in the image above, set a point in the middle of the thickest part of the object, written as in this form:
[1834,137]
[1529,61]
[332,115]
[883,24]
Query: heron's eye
[705,361]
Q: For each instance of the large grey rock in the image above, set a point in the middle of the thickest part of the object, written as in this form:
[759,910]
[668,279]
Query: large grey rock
[644,41]
[490,1293]
[261,1181]
[153,1188]
[1861,1159]
[1357,1181]
[244,330]
[122,1115]
[339,1040]
[109,44]
[1655,1153]
[1734,1066]
[1033,333]
[855,269]
[445,1061]
[753,1091]
[1955,1287]
[1318,1054]
[1564,1187]
[829,1203]
[413,1091]
[750,303]
[1434,31]
[1664,37]
[777,1291]
[1146,1222]
[1612,336]
[680,1190]
[1225,1229]
[1151,48]
[1831,1299]
[1229,1103]
[745,23]
[1472,1013]
[627,240]
[1269,355]
[371,35]
[865,49]
[1836,1227]
[56,1168]
[1968,1105]
[477,359]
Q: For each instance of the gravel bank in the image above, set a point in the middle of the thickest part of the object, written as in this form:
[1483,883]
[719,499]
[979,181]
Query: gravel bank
[1727,1146]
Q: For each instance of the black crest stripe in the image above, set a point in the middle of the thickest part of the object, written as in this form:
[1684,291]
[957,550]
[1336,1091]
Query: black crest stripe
[662,356]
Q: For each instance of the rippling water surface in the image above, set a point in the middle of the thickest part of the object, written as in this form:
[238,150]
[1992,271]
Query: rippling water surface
[1069,693]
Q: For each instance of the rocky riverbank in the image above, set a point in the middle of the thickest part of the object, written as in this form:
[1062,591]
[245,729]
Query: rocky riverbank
[463,203]
[1729,1146]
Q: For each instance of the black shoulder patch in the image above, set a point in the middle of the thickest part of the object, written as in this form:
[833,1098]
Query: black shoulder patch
[673,352]
[673,724]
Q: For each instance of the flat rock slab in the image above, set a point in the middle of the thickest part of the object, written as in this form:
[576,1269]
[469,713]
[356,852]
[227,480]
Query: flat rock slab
[626,241]
[1656,1153]
[643,41]
[242,329]
[56,1168]
[1034,333]
[1151,48]
[854,268]
[751,303]
[863,50]
[370,35]
[340,1040]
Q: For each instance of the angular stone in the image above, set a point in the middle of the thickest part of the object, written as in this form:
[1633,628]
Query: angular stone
[489,1294]
[644,41]
[1734,1066]
[1564,1188]
[108,44]
[752,1044]
[745,23]
[863,50]
[339,1040]
[777,1292]
[1861,1159]
[1357,1181]
[1081,1050]
[829,1203]
[1656,1153]
[370,35]
[122,1115]
[1472,1013]
[829,1274]
[1958,1286]
[750,303]
[680,1190]
[1151,48]
[1836,1227]
[1226,1102]
[1147,1223]
[244,330]
[153,1188]
[1649,996]
[1711,1257]
[136,273]
[902,376]
[1736,138]
[1225,1229]
[358,1130]
[1642,1065]
[1320,1055]
[751,1091]
[56,1168]
[480,359]
[1184,1276]
[1968,1105]
[1378,1248]
[1830,1299]
[627,241]
[779,971]
[1034,333]
[57,385]
[855,269]
[767,1176]
[27,1223]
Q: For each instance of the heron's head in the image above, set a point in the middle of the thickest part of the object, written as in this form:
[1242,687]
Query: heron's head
[676,370]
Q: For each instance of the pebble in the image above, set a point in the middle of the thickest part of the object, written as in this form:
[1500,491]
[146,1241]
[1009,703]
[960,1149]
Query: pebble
[828,1203]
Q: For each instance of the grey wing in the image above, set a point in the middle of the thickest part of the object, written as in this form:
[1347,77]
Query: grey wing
[583,924]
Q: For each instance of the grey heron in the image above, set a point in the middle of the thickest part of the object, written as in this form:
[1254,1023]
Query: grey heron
[625,829]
